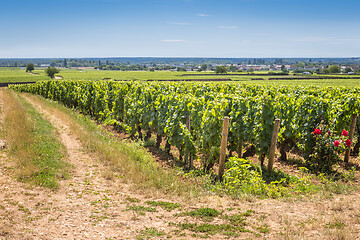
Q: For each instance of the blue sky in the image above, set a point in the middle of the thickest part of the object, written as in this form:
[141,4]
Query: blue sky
[179,28]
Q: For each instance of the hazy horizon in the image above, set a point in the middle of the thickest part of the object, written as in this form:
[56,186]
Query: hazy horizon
[119,57]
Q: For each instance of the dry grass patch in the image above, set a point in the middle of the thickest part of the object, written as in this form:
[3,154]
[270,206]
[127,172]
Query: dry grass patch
[33,144]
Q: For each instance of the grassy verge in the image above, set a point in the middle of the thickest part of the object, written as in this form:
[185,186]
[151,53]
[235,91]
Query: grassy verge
[32,144]
[244,179]
[128,161]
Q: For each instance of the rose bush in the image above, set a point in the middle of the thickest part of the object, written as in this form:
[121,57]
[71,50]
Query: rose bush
[327,148]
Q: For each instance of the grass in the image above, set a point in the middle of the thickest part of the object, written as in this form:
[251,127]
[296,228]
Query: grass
[151,232]
[19,75]
[336,224]
[211,221]
[238,219]
[164,205]
[33,144]
[244,178]
[141,209]
[204,213]
[330,225]
[212,229]
[129,199]
[98,218]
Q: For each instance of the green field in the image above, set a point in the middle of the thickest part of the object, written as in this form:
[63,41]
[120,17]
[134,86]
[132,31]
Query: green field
[19,75]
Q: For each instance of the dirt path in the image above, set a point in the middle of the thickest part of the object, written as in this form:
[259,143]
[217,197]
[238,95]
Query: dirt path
[88,206]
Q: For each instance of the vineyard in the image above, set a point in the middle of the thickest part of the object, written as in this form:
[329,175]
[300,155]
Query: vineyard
[189,116]
[173,154]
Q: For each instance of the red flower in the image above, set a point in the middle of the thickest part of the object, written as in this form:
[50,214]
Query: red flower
[329,132]
[337,143]
[344,133]
[348,142]
[317,131]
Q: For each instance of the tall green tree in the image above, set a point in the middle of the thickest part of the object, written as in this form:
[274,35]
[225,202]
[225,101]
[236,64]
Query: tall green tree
[347,69]
[203,67]
[30,67]
[51,71]
[232,68]
[221,69]
[284,69]
[334,69]
[326,70]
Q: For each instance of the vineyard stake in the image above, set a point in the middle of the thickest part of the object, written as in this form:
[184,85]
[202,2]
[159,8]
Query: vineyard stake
[240,149]
[273,145]
[351,135]
[124,113]
[188,125]
[223,146]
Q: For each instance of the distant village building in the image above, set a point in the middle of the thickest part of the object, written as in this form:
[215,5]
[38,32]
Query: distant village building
[83,68]
[255,67]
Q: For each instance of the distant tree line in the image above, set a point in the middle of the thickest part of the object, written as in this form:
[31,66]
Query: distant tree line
[133,67]
[332,69]
[69,63]
[150,61]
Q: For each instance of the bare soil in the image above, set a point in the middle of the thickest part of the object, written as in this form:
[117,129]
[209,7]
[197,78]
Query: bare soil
[89,206]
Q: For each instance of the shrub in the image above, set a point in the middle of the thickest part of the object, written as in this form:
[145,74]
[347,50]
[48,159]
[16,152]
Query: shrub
[327,147]
[244,177]
[51,71]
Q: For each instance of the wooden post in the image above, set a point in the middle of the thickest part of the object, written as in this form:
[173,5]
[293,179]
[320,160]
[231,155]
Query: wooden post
[158,140]
[148,134]
[223,146]
[139,132]
[188,122]
[124,110]
[167,146]
[273,145]
[240,149]
[351,136]
[188,125]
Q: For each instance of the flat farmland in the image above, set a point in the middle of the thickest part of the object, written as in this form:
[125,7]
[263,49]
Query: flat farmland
[258,78]
[9,75]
